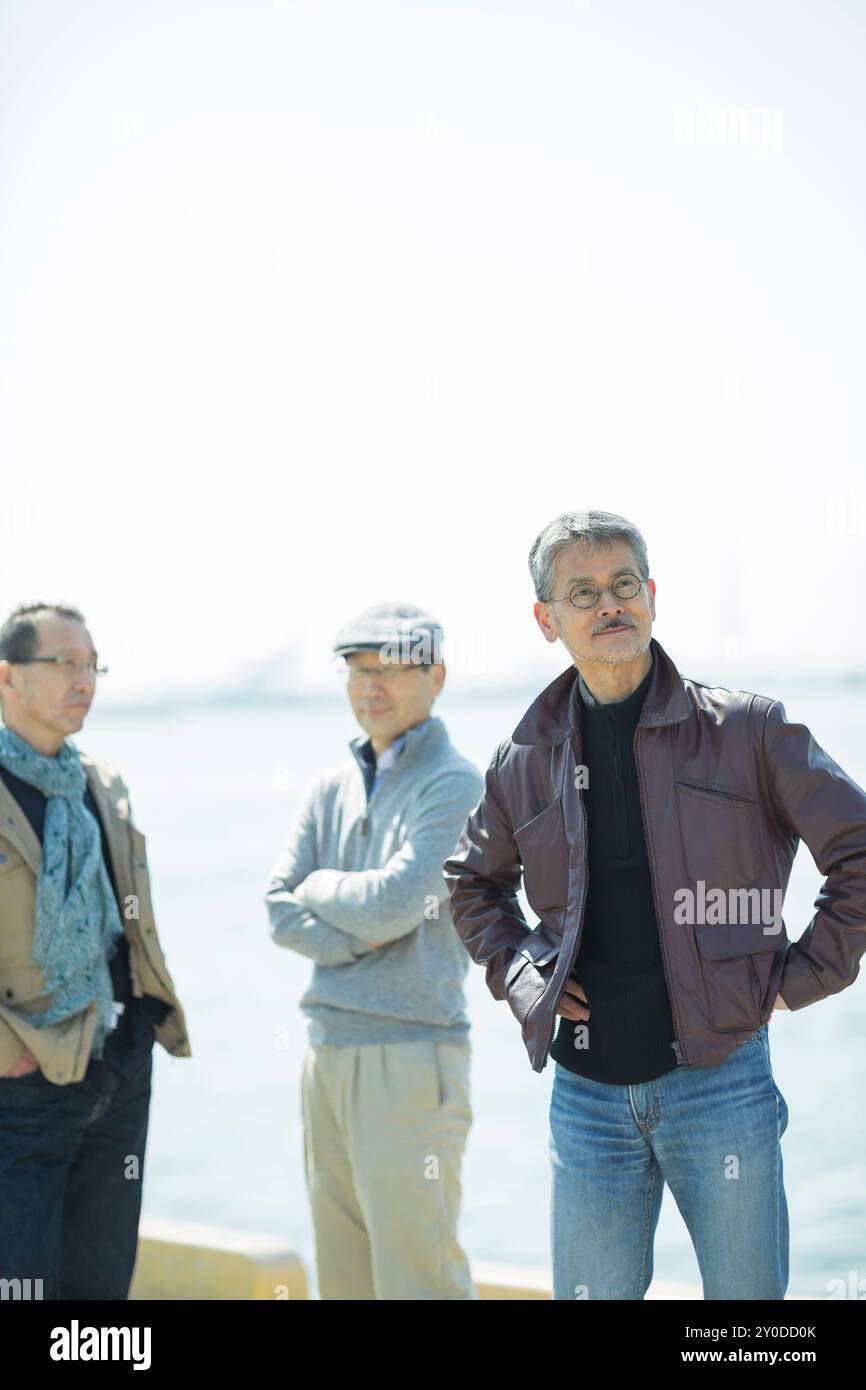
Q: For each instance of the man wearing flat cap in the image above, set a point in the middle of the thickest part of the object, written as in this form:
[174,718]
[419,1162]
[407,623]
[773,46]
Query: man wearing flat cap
[358,889]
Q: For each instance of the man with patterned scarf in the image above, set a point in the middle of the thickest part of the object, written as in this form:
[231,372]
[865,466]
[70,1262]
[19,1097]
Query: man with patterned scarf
[84,987]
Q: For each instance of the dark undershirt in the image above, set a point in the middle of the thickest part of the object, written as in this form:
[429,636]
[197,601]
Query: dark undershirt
[366,751]
[630,1029]
[126,1045]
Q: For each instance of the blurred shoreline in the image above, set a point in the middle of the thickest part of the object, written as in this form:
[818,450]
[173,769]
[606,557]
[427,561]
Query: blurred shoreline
[767,682]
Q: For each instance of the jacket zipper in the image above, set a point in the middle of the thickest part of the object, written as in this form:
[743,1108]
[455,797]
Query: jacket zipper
[577,936]
[677,1045]
[572,959]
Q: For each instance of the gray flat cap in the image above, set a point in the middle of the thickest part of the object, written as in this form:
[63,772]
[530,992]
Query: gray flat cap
[400,631]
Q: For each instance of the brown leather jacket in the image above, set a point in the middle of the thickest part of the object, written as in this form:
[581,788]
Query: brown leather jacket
[728,789]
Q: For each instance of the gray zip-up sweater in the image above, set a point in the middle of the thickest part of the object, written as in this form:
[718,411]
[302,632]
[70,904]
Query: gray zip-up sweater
[355,871]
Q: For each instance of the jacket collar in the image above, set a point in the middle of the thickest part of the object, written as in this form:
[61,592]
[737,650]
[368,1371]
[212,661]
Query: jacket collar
[556,713]
[15,826]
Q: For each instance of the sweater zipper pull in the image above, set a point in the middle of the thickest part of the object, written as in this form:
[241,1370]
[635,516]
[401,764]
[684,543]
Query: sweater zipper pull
[677,1053]
[364,824]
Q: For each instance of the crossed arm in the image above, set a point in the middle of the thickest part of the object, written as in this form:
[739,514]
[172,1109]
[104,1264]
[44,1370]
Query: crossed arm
[379,905]
[292,923]
[336,916]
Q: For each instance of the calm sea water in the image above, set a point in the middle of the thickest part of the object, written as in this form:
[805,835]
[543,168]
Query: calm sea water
[214,790]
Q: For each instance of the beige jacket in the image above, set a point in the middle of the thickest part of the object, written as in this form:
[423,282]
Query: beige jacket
[63,1050]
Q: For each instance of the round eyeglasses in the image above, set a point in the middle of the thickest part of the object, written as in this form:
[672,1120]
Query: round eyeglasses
[586,595]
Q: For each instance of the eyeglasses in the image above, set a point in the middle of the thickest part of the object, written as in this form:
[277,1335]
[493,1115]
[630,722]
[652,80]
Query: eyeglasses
[587,595]
[354,674]
[66,664]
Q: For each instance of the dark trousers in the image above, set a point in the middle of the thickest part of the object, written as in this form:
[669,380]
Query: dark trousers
[71,1172]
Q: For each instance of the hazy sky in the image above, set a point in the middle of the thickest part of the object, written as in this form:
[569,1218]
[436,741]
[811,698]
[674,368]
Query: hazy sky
[310,305]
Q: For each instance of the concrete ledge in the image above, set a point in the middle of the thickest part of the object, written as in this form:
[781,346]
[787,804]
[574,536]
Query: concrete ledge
[183,1260]
[526,1282]
[517,1282]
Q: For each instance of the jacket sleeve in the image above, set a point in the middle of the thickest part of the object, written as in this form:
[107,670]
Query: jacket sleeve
[292,924]
[484,874]
[386,903]
[819,803]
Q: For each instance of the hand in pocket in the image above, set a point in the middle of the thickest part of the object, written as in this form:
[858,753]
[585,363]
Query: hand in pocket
[573,1003]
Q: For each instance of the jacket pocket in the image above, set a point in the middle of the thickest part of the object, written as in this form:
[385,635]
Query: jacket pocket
[735,965]
[718,831]
[529,973]
[543,851]
[21,987]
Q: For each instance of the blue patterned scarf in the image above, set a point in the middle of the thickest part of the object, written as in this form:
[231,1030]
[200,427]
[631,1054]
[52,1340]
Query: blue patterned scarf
[77,917]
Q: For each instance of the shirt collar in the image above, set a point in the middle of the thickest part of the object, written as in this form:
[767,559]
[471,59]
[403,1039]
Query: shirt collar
[389,755]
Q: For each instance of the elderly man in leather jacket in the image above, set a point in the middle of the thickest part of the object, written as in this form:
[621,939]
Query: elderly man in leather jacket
[653,820]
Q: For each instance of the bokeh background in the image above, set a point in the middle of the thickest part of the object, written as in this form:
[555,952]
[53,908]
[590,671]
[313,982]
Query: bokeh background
[310,305]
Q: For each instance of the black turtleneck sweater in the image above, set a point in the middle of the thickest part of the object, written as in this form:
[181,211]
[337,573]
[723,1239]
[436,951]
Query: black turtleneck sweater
[630,1031]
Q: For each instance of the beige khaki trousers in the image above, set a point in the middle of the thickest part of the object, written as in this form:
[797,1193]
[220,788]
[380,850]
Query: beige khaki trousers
[385,1126]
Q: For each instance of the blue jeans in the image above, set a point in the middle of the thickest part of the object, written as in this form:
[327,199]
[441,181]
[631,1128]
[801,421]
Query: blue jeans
[70,1192]
[712,1134]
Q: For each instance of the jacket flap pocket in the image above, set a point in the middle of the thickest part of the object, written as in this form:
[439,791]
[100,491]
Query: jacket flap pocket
[720,939]
[22,987]
[538,948]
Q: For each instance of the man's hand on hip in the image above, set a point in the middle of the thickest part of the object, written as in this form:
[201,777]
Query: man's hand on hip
[779,1004]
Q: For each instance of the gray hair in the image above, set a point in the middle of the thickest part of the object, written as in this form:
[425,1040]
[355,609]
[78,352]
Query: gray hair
[594,528]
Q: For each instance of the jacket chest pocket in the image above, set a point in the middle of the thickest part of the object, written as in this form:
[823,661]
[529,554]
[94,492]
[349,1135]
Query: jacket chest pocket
[718,832]
[22,988]
[543,851]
